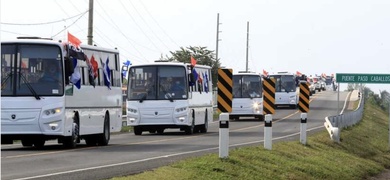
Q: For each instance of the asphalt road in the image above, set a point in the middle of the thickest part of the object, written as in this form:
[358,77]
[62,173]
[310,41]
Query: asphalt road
[129,154]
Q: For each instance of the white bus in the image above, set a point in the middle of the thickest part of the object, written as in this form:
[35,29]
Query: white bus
[163,95]
[35,109]
[286,89]
[247,96]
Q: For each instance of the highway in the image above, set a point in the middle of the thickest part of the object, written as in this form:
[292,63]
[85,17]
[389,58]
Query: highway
[129,154]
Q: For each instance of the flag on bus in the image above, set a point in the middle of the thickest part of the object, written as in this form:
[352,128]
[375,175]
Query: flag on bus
[74,40]
[193,61]
[106,72]
[92,70]
[74,49]
[75,78]
[206,82]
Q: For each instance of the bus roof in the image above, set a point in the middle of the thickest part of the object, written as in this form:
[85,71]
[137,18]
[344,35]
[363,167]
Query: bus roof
[31,41]
[37,40]
[282,73]
[170,64]
[246,73]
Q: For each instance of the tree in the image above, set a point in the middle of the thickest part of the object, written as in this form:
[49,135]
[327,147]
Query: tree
[202,55]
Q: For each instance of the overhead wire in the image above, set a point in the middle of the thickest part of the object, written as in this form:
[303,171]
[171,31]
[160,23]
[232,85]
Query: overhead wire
[151,29]
[42,23]
[147,11]
[127,38]
[135,22]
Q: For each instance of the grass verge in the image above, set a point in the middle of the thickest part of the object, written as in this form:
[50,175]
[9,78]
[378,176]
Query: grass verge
[363,152]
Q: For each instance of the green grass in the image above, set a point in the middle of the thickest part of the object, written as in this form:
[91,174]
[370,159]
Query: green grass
[363,152]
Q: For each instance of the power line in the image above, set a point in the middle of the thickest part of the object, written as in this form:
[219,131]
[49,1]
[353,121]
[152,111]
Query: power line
[151,29]
[138,26]
[43,23]
[69,25]
[158,24]
[123,34]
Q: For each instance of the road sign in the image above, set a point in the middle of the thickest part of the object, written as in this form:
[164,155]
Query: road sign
[225,87]
[304,97]
[363,78]
[269,96]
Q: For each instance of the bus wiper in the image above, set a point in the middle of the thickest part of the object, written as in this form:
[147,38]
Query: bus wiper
[168,96]
[30,87]
[143,98]
[9,75]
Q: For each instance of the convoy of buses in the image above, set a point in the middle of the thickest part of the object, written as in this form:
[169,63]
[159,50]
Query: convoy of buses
[36,107]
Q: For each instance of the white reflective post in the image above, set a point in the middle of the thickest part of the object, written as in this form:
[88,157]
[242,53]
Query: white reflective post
[268,131]
[223,135]
[303,128]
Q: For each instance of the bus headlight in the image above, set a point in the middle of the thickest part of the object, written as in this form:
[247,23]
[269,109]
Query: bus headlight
[256,106]
[180,109]
[52,111]
[131,110]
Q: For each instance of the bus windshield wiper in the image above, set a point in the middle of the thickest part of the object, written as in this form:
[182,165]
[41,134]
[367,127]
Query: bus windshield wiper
[9,75]
[143,98]
[30,87]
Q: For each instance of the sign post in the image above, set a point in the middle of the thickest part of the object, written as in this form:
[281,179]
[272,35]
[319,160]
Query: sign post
[225,96]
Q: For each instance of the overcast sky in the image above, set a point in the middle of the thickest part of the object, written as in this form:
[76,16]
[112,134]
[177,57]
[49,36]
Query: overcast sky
[310,36]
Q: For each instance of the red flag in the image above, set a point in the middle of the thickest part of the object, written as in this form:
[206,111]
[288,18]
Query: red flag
[299,73]
[94,66]
[265,73]
[193,61]
[73,40]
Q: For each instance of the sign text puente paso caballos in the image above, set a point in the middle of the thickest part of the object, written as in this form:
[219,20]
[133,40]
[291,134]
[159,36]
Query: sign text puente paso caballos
[363,78]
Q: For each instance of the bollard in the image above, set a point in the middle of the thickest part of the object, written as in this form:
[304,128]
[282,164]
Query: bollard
[303,128]
[223,135]
[268,131]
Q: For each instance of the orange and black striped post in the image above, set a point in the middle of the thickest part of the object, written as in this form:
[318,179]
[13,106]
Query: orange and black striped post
[304,97]
[225,87]
[225,98]
[304,100]
[268,110]
[269,96]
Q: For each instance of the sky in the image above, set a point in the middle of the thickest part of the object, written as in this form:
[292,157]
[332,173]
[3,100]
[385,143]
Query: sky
[312,37]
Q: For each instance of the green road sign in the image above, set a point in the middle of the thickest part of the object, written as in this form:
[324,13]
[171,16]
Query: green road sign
[363,78]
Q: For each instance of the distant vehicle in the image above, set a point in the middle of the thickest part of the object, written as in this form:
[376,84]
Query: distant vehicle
[321,80]
[35,110]
[329,82]
[311,84]
[164,95]
[287,92]
[317,83]
[247,96]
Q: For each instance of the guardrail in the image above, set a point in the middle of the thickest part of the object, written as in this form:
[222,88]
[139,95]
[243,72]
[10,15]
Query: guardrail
[334,124]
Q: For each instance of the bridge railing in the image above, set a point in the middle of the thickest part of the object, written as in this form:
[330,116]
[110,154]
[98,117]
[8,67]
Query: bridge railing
[334,124]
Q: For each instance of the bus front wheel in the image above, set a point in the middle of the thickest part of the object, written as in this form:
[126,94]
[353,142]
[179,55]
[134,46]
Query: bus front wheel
[137,130]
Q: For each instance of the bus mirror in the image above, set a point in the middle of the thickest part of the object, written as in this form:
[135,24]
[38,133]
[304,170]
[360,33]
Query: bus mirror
[69,69]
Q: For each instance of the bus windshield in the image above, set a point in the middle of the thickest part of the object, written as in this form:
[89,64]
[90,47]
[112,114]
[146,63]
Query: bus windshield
[31,70]
[247,86]
[284,83]
[157,83]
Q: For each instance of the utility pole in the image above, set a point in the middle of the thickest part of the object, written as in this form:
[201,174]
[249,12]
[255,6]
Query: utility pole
[247,43]
[90,22]
[216,48]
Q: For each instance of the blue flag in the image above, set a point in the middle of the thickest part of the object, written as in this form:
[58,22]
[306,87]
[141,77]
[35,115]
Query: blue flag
[206,82]
[107,73]
[75,78]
